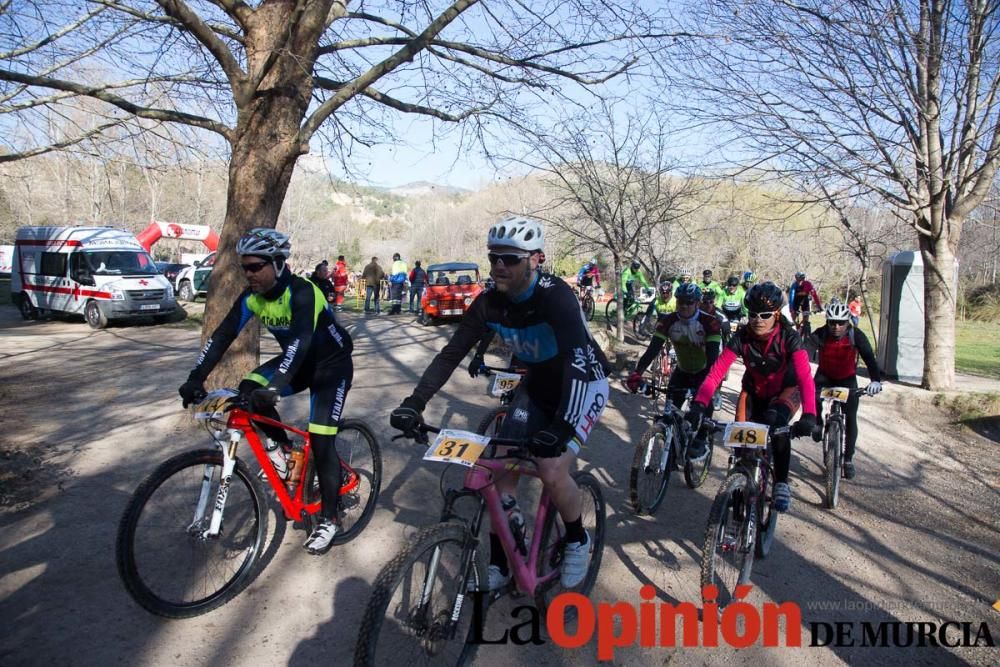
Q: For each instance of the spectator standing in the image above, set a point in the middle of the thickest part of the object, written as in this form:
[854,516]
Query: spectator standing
[321,278]
[418,279]
[855,307]
[397,280]
[373,275]
[340,279]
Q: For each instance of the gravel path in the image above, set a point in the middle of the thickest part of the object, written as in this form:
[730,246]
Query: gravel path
[86,415]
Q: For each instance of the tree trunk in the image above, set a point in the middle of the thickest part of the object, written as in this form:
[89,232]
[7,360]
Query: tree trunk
[939,313]
[259,173]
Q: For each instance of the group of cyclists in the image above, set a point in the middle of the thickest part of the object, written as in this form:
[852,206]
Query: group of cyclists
[565,389]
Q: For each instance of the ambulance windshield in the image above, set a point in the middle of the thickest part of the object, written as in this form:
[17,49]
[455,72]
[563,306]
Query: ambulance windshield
[121,263]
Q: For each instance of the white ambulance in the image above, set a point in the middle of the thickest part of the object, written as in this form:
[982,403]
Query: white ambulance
[98,272]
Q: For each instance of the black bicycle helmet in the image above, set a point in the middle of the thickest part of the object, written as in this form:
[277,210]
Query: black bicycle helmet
[708,296]
[763,298]
[635,265]
[688,292]
[732,281]
[666,288]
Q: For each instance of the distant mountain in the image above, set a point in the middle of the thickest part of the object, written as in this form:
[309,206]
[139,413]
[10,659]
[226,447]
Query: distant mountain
[421,188]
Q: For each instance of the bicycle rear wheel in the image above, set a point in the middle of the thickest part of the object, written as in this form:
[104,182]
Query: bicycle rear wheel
[652,464]
[361,479]
[553,539]
[408,619]
[833,443]
[166,563]
[726,558]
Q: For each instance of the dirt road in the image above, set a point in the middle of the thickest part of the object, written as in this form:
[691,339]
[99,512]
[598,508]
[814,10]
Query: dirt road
[86,415]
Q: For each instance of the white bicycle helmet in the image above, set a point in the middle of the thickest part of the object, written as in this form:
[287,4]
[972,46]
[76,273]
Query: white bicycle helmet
[264,242]
[835,310]
[517,232]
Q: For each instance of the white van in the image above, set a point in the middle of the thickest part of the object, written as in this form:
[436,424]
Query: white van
[98,272]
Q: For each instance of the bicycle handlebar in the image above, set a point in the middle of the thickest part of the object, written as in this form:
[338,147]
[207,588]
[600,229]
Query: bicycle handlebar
[490,370]
[520,445]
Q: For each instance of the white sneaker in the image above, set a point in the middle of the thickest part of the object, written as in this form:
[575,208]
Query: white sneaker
[321,539]
[495,579]
[576,561]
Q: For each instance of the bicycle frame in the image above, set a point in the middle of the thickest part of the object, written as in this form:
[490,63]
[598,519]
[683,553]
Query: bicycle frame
[239,425]
[479,481]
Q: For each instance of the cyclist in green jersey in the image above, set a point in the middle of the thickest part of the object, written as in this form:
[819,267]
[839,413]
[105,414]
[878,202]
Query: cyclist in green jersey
[697,338]
[664,302]
[632,279]
[731,301]
[707,284]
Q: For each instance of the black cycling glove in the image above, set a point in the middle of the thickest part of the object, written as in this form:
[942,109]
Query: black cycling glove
[192,391]
[262,398]
[477,366]
[695,413]
[550,442]
[804,426]
[406,417]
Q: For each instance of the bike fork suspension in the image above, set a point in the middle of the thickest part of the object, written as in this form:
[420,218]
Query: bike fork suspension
[228,465]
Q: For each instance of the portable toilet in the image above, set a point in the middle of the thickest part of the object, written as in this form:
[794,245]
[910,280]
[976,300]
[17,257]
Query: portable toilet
[901,317]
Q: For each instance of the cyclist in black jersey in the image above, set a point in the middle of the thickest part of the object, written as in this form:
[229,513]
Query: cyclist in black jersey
[562,394]
[316,354]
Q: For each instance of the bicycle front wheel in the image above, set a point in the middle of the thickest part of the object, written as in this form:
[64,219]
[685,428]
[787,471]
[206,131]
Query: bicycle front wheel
[589,307]
[611,314]
[651,466]
[168,564]
[726,557]
[832,449]
[553,540]
[408,619]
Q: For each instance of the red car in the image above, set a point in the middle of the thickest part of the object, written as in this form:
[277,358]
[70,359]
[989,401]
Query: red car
[451,289]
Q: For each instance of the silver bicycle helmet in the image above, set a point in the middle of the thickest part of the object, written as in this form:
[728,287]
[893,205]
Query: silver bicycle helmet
[835,310]
[264,242]
[517,232]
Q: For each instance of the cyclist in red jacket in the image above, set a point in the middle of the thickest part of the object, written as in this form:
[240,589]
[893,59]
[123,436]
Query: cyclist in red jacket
[776,383]
[839,344]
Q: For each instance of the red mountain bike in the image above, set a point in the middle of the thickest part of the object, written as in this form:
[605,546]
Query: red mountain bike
[192,536]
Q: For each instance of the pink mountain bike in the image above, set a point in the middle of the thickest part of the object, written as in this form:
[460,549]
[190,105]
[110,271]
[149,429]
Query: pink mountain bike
[421,609]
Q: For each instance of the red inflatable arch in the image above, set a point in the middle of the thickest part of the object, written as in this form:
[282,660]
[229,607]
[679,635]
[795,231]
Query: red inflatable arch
[172,230]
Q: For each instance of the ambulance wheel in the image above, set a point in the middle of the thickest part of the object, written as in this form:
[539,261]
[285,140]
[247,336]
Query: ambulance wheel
[28,310]
[95,316]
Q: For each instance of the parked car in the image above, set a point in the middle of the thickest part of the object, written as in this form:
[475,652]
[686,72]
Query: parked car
[451,289]
[192,281]
[170,270]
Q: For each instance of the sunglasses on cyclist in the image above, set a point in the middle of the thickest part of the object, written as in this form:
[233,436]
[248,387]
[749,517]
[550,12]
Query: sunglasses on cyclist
[253,267]
[685,302]
[761,316]
[837,323]
[508,259]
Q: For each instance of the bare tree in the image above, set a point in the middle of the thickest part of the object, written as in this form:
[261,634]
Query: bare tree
[889,99]
[611,185]
[268,77]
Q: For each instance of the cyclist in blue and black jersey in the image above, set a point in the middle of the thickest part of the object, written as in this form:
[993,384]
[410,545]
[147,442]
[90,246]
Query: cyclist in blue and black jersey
[316,354]
[562,394]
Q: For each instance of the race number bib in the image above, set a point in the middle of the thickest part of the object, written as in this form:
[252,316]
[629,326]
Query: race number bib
[504,382]
[461,447]
[839,394]
[745,434]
